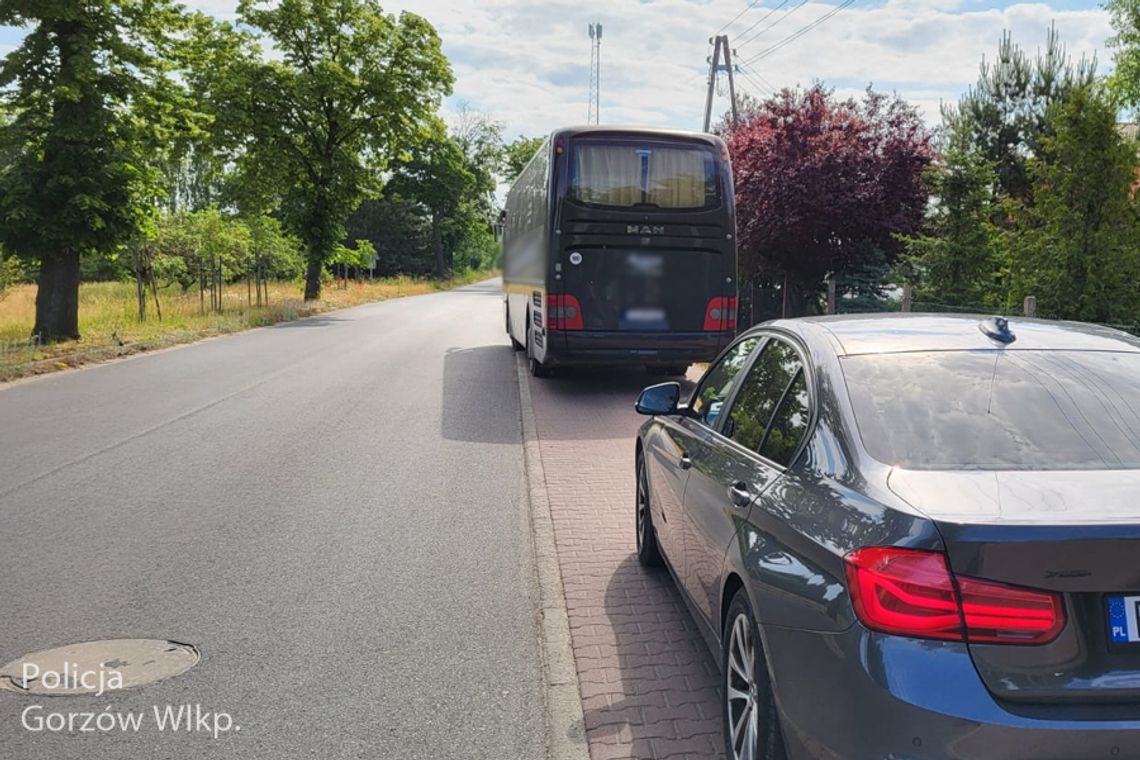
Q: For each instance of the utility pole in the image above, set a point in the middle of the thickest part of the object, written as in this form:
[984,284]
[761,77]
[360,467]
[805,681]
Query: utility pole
[594,113]
[721,50]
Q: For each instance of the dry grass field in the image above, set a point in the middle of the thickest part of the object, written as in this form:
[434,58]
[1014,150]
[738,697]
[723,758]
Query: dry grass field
[109,323]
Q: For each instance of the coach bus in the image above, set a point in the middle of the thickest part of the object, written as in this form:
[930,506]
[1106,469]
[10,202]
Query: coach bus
[619,247]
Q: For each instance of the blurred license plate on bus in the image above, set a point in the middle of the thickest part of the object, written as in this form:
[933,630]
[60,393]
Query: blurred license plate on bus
[644,319]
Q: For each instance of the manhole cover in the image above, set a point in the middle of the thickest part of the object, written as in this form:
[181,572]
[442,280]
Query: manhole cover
[95,667]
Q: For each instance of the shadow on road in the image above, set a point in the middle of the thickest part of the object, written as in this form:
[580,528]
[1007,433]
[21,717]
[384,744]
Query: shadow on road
[480,401]
[317,321]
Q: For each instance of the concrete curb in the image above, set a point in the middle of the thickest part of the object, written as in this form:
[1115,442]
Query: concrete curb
[565,729]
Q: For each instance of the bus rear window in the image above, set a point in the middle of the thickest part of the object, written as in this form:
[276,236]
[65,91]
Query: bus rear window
[652,175]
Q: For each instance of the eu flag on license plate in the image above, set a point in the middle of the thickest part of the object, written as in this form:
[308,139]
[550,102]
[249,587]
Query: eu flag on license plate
[1124,619]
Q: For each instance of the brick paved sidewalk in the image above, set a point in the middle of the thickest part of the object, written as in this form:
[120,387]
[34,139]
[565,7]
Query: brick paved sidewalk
[648,683]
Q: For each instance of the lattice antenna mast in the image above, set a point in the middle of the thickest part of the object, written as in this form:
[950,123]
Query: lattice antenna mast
[595,73]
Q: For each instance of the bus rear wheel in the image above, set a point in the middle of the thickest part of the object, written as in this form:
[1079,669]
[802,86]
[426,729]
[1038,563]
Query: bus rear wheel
[514,343]
[537,369]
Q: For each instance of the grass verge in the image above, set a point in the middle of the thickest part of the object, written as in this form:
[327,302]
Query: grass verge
[109,323]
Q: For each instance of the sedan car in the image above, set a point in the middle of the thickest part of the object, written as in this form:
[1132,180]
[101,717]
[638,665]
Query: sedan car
[909,536]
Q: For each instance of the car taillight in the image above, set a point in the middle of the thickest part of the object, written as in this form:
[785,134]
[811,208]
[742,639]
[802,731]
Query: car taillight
[720,314]
[563,313]
[912,593]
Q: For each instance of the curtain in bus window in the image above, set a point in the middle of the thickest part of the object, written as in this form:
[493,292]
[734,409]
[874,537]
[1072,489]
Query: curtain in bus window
[608,175]
[676,178]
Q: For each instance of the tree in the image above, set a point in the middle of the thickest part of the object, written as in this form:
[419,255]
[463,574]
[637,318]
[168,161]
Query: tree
[354,88]
[1124,82]
[95,106]
[517,154]
[822,184]
[1004,115]
[399,231]
[1074,246]
[436,176]
[956,258]
[480,140]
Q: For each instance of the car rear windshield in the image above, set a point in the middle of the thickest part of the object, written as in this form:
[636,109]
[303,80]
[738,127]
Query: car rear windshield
[631,174]
[999,410]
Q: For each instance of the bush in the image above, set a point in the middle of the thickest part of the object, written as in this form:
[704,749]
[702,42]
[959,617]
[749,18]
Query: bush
[11,272]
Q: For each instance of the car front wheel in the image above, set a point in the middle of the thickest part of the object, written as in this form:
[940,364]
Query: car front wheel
[751,725]
[647,552]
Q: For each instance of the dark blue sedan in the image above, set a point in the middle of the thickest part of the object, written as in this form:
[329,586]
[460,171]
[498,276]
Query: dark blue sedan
[911,536]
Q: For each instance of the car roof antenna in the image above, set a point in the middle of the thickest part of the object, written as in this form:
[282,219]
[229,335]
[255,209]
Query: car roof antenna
[997,328]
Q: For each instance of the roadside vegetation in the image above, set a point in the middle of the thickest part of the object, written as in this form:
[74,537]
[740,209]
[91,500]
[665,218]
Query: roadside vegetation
[111,327]
[165,175]
[1027,188]
[189,162]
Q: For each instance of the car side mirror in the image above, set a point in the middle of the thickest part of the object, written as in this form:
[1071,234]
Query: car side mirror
[659,399]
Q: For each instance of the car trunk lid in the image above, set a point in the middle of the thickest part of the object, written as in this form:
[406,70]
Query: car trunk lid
[1073,533]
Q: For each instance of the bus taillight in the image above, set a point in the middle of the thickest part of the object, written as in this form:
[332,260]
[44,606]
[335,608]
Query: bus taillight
[720,315]
[563,313]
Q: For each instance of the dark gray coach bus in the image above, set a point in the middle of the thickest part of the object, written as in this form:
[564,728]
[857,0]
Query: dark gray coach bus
[619,247]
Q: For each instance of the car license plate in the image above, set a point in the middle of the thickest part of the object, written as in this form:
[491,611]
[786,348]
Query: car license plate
[1124,619]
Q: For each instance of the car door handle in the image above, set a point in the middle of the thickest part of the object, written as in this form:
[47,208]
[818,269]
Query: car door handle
[685,462]
[740,495]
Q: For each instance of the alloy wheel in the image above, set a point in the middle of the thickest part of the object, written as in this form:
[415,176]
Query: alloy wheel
[740,675]
[642,505]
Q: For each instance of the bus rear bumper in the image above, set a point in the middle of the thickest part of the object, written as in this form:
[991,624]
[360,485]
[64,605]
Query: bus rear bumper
[570,348]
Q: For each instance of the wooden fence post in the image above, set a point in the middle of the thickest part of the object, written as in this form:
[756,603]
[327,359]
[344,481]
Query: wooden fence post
[1030,306]
[907,297]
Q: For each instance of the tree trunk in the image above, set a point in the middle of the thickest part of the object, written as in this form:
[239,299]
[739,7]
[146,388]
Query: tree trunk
[437,245]
[154,292]
[57,298]
[313,279]
[140,289]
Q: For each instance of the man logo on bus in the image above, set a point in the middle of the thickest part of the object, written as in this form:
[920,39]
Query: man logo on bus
[645,229]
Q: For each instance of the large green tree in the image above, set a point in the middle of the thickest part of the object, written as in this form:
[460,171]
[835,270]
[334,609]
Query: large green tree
[1004,115]
[438,177]
[517,154]
[353,88]
[955,259]
[94,107]
[1074,245]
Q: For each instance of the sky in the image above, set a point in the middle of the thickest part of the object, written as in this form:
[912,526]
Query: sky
[526,63]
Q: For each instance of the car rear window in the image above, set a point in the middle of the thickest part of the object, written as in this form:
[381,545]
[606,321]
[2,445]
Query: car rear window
[999,410]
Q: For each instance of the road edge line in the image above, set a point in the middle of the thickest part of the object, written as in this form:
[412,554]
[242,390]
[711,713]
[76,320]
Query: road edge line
[565,726]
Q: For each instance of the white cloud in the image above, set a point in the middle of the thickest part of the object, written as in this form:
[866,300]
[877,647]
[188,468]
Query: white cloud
[526,61]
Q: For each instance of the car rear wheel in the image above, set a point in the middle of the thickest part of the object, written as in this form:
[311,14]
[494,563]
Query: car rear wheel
[751,725]
[648,554]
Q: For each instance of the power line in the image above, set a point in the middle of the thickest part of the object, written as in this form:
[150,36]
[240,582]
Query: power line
[761,20]
[798,33]
[756,85]
[774,23]
[747,8]
[751,72]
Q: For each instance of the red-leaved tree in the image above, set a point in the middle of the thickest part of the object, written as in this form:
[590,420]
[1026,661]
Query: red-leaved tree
[823,186]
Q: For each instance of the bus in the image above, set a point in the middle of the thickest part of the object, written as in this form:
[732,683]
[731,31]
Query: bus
[619,247]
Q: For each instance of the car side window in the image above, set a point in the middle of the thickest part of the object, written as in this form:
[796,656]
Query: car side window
[772,376]
[788,424]
[709,398]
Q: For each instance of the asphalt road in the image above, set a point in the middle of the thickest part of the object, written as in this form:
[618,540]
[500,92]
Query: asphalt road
[332,510]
